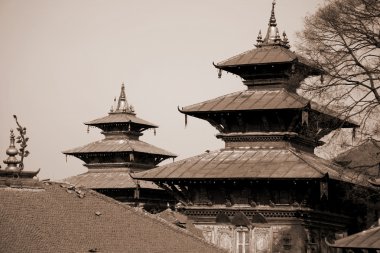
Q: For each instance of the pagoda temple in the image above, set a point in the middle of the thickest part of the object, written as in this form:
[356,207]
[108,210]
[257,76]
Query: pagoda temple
[266,190]
[111,160]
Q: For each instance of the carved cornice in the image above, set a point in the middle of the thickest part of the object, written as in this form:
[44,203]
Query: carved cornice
[122,134]
[255,134]
[251,138]
[118,165]
[254,138]
[306,215]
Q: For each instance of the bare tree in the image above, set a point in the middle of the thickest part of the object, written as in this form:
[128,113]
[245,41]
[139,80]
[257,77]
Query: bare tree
[343,39]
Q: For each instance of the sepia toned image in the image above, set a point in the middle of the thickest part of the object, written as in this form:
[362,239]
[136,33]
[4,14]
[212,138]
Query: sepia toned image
[176,126]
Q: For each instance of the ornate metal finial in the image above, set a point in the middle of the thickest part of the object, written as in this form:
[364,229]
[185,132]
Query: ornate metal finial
[14,171]
[114,104]
[272,20]
[272,37]
[277,38]
[259,39]
[12,161]
[285,40]
[122,105]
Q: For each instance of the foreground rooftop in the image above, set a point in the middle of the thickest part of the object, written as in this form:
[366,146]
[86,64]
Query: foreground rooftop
[61,218]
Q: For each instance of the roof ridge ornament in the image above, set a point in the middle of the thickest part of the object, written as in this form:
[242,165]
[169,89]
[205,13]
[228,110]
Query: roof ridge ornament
[122,105]
[272,20]
[12,162]
[272,37]
[259,39]
[15,165]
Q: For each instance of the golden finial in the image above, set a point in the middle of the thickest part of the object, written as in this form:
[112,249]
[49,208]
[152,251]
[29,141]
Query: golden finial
[259,39]
[272,20]
[12,161]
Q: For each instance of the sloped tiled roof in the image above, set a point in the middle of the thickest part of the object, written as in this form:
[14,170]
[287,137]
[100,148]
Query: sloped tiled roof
[180,220]
[108,179]
[117,145]
[249,163]
[367,239]
[364,158]
[59,218]
[251,100]
[120,118]
[263,55]
[260,99]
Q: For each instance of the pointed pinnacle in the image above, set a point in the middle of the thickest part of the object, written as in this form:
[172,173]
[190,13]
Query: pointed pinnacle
[272,20]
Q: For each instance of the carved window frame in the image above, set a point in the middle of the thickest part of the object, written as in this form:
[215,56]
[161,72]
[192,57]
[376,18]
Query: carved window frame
[242,243]
[269,239]
[225,230]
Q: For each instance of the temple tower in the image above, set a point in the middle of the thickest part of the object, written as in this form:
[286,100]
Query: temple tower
[111,160]
[265,191]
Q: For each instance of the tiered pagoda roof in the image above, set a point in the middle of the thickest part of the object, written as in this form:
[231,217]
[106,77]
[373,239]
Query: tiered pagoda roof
[269,130]
[263,99]
[117,145]
[112,159]
[241,163]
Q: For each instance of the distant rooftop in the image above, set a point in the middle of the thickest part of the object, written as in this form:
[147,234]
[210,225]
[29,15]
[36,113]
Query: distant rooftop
[368,239]
[364,158]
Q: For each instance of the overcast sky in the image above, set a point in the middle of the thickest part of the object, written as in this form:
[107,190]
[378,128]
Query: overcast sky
[62,62]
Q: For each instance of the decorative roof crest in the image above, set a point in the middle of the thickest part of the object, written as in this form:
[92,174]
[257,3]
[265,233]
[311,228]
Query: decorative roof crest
[272,20]
[12,162]
[122,104]
[272,37]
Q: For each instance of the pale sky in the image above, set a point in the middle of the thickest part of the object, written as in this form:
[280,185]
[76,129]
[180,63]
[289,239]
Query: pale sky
[62,62]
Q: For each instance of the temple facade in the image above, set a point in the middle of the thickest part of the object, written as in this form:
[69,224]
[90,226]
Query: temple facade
[111,160]
[265,191]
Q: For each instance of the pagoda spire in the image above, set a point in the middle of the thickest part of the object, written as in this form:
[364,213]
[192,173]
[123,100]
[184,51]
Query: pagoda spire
[272,20]
[272,37]
[122,104]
